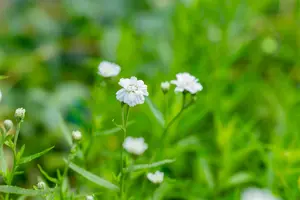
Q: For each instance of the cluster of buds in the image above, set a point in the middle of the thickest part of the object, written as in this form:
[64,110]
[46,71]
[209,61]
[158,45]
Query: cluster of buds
[76,136]
[20,114]
[41,185]
[165,87]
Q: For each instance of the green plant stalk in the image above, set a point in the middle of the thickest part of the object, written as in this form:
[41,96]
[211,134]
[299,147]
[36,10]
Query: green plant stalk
[11,175]
[125,114]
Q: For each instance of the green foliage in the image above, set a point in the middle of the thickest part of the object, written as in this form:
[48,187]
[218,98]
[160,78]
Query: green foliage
[243,130]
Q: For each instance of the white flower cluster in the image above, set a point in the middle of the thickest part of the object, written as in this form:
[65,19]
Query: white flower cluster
[133,91]
[156,177]
[187,82]
[135,146]
[257,194]
[108,69]
[20,114]
[76,136]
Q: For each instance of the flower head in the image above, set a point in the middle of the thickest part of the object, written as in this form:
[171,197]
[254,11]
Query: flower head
[156,177]
[257,194]
[89,197]
[133,91]
[76,135]
[165,86]
[108,69]
[41,185]
[135,146]
[8,124]
[20,114]
[187,82]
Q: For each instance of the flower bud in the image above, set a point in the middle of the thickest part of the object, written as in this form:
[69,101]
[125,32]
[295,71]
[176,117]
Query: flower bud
[8,125]
[41,185]
[76,135]
[89,197]
[165,86]
[20,114]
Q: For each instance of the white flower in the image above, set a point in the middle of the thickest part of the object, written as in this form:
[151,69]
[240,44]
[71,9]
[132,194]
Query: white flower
[135,146]
[133,91]
[89,197]
[8,124]
[165,86]
[187,82]
[41,185]
[20,114]
[0,95]
[76,135]
[156,177]
[257,194]
[108,69]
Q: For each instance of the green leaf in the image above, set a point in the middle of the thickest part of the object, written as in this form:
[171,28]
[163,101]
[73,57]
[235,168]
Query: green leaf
[93,178]
[22,191]
[46,175]
[3,77]
[34,156]
[148,166]
[157,114]
[207,172]
[238,179]
[113,130]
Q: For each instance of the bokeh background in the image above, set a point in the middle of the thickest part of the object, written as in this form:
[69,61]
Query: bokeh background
[243,130]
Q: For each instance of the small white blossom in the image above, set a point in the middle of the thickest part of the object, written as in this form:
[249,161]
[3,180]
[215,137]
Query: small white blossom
[108,69]
[165,86]
[156,177]
[257,194]
[187,82]
[0,95]
[20,114]
[135,146]
[133,91]
[76,135]
[41,185]
[8,124]
[89,197]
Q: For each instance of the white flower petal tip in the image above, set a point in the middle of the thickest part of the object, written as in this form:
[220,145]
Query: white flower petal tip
[257,194]
[187,82]
[133,91]
[108,69]
[135,146]
[156,178]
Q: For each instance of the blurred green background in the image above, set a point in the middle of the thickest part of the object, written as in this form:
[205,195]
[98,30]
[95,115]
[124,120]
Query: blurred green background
[244,129]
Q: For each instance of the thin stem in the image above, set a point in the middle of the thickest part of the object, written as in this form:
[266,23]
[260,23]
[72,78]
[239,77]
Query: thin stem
[183,108]
[12,173]
[125,114]
[17,134]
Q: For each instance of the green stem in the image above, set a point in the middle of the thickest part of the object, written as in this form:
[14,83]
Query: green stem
[17,134]
[12,173]
[125,114]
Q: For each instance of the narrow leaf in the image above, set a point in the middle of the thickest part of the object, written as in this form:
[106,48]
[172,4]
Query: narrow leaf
[157,114]
[3,77]
[148,166]
[22,191]
[93,178]
[207,172]
[46,175]
[113,130]
[34,156]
